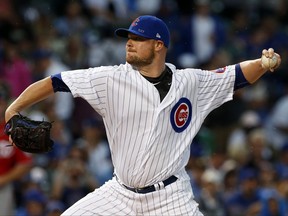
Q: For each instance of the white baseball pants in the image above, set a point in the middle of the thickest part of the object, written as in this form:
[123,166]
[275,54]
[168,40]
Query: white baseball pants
[113,199]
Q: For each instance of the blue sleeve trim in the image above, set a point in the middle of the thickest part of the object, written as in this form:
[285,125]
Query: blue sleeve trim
[58,84]
[240,80]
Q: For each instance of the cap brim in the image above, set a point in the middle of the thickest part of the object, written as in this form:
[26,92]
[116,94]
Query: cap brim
[122,32]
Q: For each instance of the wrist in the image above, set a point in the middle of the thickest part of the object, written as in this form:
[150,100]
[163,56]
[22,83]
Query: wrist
[9,114]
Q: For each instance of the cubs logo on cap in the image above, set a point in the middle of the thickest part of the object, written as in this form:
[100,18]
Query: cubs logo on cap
[181,115]
[135,22]
[149,27]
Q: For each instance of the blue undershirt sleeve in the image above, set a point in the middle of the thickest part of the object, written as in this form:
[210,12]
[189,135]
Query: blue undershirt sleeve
[58,84]
[240,80]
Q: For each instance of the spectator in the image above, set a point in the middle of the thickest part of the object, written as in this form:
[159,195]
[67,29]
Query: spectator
[145,7]
[211,203]
[94,141]
[106,12]
[230,185]
[256,98]
[281,164]
[259,150]
[272,204]
[277,125]
[71,180]
[7,12]
[54,208]
[202,34]
[14,70]
[73,22]
[282,189]
[74,54]
[62,141]
[98,52]
[15,164]
[237,33]
[246,200]
[34,203]
[46,65]
[195,170]
[237,146]
[267,178]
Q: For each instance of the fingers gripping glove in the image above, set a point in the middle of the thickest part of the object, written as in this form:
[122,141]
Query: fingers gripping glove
[29,135]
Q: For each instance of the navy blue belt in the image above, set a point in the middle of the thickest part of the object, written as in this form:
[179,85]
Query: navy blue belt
[153,188]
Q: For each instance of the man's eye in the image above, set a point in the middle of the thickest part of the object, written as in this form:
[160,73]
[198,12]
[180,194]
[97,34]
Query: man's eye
[138,39]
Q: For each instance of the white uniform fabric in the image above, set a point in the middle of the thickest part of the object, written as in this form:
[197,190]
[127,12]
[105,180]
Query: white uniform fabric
[114,199]
[149,140]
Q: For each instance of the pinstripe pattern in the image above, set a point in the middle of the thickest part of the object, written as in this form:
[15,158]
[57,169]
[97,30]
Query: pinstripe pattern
[113,199]
[145,148]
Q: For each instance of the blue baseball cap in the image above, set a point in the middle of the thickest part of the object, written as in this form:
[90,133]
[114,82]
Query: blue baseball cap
[149,27]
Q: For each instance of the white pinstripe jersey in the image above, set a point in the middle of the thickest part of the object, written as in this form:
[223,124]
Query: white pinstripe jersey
[149,140]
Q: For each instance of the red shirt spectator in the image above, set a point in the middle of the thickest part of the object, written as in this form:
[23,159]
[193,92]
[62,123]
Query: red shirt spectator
[10,155]
[14,163]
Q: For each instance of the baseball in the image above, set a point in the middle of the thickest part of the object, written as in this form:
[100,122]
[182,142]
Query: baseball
[269,63]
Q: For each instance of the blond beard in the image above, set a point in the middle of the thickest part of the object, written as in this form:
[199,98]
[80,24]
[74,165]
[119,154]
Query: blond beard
[140,62]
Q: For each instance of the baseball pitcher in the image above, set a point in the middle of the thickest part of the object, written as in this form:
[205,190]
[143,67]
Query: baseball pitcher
[151,111]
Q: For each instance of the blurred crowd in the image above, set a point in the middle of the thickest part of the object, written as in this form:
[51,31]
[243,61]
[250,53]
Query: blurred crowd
[239,159]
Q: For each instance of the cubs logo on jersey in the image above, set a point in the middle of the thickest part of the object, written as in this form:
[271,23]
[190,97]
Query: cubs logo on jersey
[181,115]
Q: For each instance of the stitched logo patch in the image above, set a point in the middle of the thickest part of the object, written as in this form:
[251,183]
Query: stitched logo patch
[219,70]
[181,114]
[135,22]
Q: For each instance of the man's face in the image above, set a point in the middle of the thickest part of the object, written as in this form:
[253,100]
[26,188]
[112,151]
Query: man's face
[139,50]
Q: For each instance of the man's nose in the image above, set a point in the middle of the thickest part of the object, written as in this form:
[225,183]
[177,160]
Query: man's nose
[129,43]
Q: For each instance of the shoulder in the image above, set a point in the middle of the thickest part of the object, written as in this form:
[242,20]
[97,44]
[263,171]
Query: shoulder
[199,75]
[97,70]
[177,70]
[112,69]
[184,71]
[227,70]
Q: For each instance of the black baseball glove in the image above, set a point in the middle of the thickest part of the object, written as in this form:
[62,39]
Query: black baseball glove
[29,135]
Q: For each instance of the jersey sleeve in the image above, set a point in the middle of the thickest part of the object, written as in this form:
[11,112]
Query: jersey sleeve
[240,80]
[215,88]
[58,84]
[89,84]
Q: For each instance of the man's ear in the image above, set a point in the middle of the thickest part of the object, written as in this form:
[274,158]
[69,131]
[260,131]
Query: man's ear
[159,45]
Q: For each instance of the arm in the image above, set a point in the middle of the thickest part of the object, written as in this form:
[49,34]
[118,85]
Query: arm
[32,94]
[254,69]
[22,163]
[14,174]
